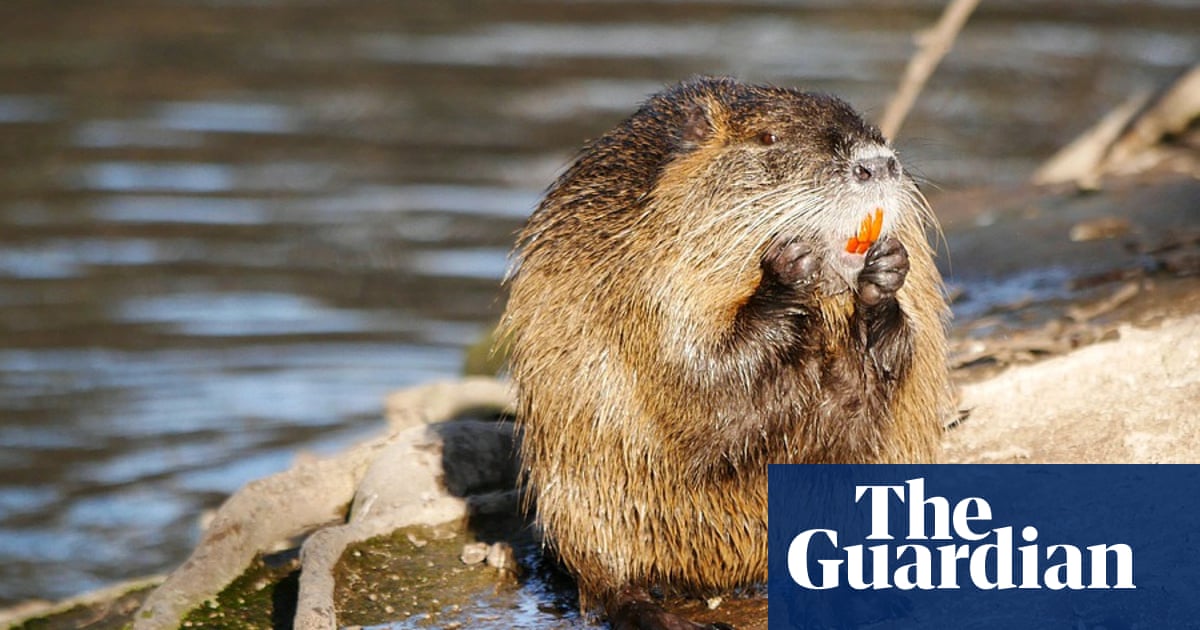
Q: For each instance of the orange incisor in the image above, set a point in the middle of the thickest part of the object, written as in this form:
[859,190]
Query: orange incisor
[868,233]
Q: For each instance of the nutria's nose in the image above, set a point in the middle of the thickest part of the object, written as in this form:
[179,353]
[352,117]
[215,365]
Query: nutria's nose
[878,168]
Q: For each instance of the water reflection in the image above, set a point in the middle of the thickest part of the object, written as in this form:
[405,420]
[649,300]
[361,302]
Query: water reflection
[185,210]
[218,117]
[106,134]
[228,229]
[19,108]
[130,176]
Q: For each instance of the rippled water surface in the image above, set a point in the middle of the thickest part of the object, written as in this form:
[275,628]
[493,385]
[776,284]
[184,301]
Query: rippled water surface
[228,228]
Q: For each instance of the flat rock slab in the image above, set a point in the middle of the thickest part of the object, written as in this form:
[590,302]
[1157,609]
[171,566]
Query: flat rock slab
[1133,399]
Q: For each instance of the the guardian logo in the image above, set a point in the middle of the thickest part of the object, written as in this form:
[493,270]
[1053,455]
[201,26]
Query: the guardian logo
[948,546]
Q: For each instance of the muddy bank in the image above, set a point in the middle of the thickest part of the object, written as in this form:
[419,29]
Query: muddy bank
[1035,274]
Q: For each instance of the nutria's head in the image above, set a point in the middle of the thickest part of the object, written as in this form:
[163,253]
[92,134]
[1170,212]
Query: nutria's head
[766,161]
[680,202]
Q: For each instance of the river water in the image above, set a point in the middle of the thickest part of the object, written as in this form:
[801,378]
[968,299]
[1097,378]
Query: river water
[229,227]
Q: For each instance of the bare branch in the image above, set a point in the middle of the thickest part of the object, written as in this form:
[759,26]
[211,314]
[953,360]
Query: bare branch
[933,45]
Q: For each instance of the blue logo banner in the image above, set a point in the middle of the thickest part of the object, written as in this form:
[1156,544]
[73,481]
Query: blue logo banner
[1076,547]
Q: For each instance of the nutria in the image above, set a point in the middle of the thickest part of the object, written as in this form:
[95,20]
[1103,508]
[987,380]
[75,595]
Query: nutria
[683,311]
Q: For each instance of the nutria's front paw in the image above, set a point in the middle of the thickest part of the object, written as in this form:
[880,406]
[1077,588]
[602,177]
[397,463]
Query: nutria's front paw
[791,262]
[884,271]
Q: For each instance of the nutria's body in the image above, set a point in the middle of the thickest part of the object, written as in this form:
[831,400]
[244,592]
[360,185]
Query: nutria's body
[683,312]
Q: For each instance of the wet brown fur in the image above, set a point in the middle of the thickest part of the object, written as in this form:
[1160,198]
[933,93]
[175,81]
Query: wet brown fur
[657,374]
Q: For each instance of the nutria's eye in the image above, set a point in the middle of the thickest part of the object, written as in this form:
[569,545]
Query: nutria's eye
[767,138]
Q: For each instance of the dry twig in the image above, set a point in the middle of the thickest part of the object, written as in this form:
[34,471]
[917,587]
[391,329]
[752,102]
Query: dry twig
[933,45]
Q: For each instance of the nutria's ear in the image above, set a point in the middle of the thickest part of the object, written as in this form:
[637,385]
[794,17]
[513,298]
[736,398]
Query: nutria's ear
[697,126]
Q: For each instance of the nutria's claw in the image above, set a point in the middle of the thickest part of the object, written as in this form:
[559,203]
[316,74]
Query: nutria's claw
[791,261]
[883,272]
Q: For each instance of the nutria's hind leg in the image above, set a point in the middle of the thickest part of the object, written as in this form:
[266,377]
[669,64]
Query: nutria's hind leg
[633,609]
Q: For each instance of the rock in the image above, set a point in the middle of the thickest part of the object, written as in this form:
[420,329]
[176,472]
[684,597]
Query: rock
[500,556]
[474,553]
[1128,400]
